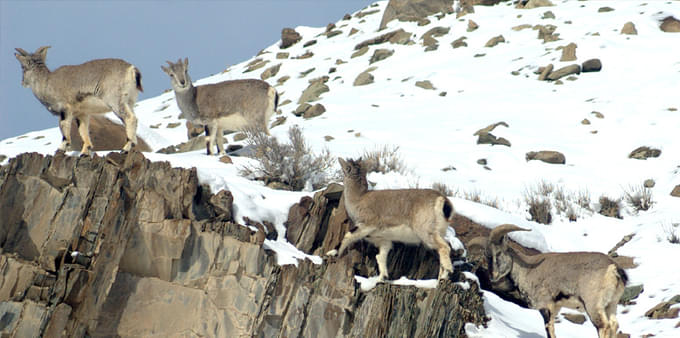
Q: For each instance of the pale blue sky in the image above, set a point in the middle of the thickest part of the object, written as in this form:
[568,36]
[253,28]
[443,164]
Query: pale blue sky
[212,34]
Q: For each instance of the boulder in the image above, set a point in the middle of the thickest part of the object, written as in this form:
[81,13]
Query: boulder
[361,51]
[629,29]
[289,37]
[472,26]
[192,144]
[364,78]
[575,318]
[521,27]
[105,135]
[281,81]
[280,120]
[569,52]
[490,128]
[194,130]
[534,4]
[644,152]
[630,293]
[399,36]
[306,55]
[547,32]
[429,37]
[414,10]
[592,65]
[663,310]
[495,41]
[545,72]
[547,156]
[564,71]
[380,54]
[670,25]
[491,139]
[484,135]
[676,191]
[465,7]
[308,111]
[270,72]
[460,42]
[425,85]
[314,90]
[255,65]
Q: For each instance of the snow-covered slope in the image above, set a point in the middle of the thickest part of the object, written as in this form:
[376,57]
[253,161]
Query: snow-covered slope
[636,94]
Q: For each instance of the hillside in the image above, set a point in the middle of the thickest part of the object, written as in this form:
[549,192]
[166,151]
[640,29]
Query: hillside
[434,90]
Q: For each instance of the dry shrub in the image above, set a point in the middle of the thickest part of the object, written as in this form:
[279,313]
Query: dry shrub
[671,232]
[538,200]
[383,160]
[638,197]
[610,207]
[546,199]
[583,200]
[292,164]
[539,207]
[476,196]
[442,188]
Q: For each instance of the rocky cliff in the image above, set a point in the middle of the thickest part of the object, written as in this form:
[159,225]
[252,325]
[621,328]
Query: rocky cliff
[121,246]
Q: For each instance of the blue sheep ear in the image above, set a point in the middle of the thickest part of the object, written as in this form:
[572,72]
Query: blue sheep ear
[186,62]
[21,52]
[42,51]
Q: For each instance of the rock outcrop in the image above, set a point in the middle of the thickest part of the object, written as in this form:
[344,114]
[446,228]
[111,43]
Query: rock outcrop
[121,246]
[289,37]
[414,10]
[670,25]
[105,135]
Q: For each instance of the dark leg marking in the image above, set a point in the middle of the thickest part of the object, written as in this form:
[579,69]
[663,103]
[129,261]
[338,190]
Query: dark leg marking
[545,313]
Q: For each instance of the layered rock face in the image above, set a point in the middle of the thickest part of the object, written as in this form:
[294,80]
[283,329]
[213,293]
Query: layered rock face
[121,246]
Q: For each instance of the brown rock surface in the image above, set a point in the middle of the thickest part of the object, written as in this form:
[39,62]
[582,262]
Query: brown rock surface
[398,36]
[314,90]
[289,37]
[564,71]
[670,25]
[569,52]
[592,65]
[128,247]
[629,29]
[547,156]
[495,41]
[105,135]
[414,10]
[676,191]
[644,152]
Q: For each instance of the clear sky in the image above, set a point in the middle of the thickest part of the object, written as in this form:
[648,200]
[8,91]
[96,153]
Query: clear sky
[212,34]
